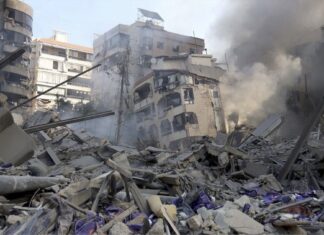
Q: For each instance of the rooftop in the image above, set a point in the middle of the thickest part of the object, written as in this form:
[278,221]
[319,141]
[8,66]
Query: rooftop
[67,45]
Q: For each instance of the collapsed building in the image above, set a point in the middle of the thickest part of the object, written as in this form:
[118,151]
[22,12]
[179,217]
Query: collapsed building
[179,102]
[16,19]
[126,53]
[55,60]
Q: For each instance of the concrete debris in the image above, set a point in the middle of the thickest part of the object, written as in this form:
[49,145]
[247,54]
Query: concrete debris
[157,228]
[119,228]
[76,183]
[195,222]
[242,223]
[16,146]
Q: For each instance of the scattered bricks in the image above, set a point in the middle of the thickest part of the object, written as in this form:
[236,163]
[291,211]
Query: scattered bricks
[157,228]
[195,222]
[119,229]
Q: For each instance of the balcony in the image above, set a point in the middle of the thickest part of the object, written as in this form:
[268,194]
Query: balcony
[15,90]
[17,69]
[17,28]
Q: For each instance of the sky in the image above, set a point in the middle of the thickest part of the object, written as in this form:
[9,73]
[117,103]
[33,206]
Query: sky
[83,19]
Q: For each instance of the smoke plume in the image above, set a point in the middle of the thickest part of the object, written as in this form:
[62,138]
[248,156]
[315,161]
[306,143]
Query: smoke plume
[261,35]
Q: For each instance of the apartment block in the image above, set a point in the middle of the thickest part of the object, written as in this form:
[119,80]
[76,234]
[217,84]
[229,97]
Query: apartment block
[127,52]
[16,20]
[179,102]
[56,60]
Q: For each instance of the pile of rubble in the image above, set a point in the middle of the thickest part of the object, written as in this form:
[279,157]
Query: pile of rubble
[78,184]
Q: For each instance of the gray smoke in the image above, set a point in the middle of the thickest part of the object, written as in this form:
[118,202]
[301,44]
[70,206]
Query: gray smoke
[263,67]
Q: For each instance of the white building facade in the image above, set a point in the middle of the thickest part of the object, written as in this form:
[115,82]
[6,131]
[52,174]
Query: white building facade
[56,60]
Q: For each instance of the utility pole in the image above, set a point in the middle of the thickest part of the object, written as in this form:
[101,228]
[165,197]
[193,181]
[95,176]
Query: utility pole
[123,67]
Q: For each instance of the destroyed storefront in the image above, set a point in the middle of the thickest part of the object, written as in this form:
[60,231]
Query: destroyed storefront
[179,103]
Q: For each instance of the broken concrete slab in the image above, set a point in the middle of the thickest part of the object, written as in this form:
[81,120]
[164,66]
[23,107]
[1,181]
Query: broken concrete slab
[16,146]
[84,161]
[242,223]
[77,193]
[195,222]
[48,157]
[157,228]
[256,169]
[119,228]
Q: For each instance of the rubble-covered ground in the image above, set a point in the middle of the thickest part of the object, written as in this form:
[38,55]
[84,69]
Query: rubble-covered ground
[79,184]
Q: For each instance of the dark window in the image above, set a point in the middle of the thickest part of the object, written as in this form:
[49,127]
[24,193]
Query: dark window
[142,93]
[176,48]
[78,94]
[215,94]
[191,118]
[55,65]
[168,102]
[15,37]
[173,99]
[80,82]
[165,127]
[192,51]
[160,45]
[179,121]
[53,51]
[79,55]
[21,18]
[188,95]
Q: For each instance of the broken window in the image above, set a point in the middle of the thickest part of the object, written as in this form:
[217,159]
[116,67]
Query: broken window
[179,121]
[188,95]
[55,65]
[142,93]
[173,99]
[21,18]
[165,127]
[168,102]
[191,118]
[160,45]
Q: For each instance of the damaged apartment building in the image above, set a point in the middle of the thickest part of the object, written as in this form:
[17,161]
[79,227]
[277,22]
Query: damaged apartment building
[126,53]
[179,102]
[56,60]
[16,19]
